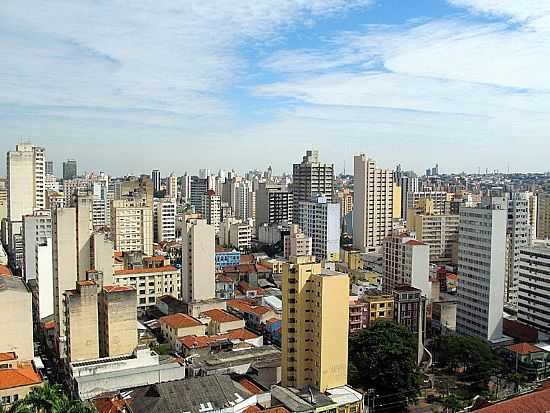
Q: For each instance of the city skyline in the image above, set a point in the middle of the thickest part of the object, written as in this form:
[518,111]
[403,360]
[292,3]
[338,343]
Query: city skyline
[459,82]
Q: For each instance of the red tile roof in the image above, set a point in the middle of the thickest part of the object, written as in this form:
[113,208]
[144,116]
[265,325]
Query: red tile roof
[166,268]
[193,342]
[179,320]
[220,316]
[117,288]
[5,271]
[524,348]
[414,242]
[110,405]
[537,402]
[250,386]
[22,375]
[245,307]
[7,356]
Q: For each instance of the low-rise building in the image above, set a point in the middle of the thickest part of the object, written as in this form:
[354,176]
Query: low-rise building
[255,316]
[220,321]
[358,315]
[17,379]
[204,345]
[180,325]
[225,287]
[531,361]
[227,257]
[380,307]
[342,399]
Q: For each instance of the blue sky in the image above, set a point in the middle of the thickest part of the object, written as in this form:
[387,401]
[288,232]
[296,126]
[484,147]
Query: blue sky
[180,85]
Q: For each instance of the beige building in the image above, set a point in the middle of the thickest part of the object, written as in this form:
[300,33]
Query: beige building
[235,233]
[172,187]
[17,324]
[220,321]
[132,224]
[179,325]
[81,322]
[17,379]
[380,307]
[373,204]
[543,221]
[150,281]
[117,321]
[533,215]
[297,244]
[439,231]
[345,199]
[198,261]
[77,250]
[315,325]
[440,200]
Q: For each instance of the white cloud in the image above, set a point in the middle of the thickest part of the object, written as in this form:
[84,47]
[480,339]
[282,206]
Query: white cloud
[173,56]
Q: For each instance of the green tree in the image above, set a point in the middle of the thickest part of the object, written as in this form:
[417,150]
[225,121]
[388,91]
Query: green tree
[384,358]
[451,403]
[50,399]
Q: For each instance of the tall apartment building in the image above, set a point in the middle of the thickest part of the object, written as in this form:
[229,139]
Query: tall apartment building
[345,199]
[320,219]
[233,232]
[212,209]
[297,244]
[440,200]
[132,224]
[198,261]
[440,232]
[406,262]
[101,201]
[518,237]
[409,310]
[3,200]
[373,204]
[70,169]
[244,200]
[117,313]
[311,178]
[164,219]
[543,221]
[481,270]
[315,325]
[26,192]
[17,323]
[172,187]
[408,182]
[81,321]
[76,249]
[199,187]
[186,188]
[534,284]
[48,168]
[533,214]
[156,178]
[274,204]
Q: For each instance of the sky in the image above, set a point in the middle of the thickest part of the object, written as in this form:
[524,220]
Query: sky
[128,86]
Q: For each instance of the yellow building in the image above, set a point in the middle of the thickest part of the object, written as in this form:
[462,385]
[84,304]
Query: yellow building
[380,307]
[353,259]
[315,325]
[543,221]
[397,202]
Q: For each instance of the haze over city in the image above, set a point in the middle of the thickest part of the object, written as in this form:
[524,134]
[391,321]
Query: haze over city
[242,84]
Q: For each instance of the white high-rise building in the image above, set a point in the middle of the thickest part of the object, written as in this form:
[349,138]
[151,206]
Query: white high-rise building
[186,188]
[172,187]
[26,193]
[101,202]
[320,220]
[212,209]
[406,262]
[372,204]
[37,230]
[518,237]
[164,216]
[533,215]
[482,270]
[198,261]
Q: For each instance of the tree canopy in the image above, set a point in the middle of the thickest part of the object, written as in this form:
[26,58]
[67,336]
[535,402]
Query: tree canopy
[384,358]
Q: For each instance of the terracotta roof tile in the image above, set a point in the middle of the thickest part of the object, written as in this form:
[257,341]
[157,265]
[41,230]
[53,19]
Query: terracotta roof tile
[193,342]
[538,402]
[117,288]
[220,316]
[245,307]
[7,356]
[167,268]
[524,348]
[5,271]
[180,320]
[22,375]
[250,386]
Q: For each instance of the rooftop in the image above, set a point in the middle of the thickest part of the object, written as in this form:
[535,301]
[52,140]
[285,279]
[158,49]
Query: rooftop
[524,349]
[117,288]
[220,316]
[10,356]
[245,307]
[180,320]
[537,402]
[166,268]
[23,374]
[193,342]
[12,283]
[5,271]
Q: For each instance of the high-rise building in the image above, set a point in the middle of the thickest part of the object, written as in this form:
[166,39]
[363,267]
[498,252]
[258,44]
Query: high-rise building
[117,321]
[198,261]
[101,202]
[70,169]
[406,262]
[236,233]
[297,244]
[543,221]
[533,215]
[26,193]
[409,310]
[212,209]
[186,188]
[408,182]
[372,204]
[481,270]
[17,323]
[440,232]
[164,219]
[274,204]
[172,187]
[518,237]
[48,168]
[315,325]
[534,284]
[320,219]
[199,187]
[132,224]
[440,200]
[311,178]
[156,178]
[345,199]
[81,321]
